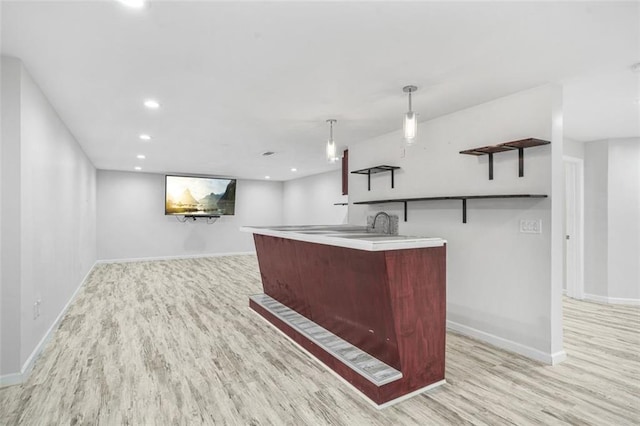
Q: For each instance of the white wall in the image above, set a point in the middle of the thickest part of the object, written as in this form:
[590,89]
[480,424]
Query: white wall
[310,200]
[624,219]
[11,73]
[612,230]
[502,286]
[611,212]
[132,224]
[53,239]
[596,207]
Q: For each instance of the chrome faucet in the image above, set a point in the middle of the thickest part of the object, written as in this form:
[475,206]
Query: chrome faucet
[388,221]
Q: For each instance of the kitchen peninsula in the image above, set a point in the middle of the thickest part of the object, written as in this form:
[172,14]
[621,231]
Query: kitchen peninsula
[371,307]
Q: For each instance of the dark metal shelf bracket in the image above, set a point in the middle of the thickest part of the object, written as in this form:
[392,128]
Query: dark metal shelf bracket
[491,166]
[520,162]
[464,210]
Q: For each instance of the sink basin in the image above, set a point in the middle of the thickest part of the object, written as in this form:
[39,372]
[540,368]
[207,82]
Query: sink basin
[390,238]
[319,228]
[362,235]
[315,232]
[378,237]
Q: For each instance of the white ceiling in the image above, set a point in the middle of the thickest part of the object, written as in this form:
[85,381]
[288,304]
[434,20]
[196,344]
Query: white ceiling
[236,79]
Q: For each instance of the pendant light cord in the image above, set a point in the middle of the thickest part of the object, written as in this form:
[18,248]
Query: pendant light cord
[331,121]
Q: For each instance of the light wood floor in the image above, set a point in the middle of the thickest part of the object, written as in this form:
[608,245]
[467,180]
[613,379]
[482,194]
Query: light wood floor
[174,342]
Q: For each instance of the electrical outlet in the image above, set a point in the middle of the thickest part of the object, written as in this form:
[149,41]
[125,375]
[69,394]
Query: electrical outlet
[531,226]
[38,303]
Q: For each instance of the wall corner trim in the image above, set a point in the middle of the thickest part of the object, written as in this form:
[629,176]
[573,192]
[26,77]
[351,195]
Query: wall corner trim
[509,345]
[27,367]
[558,357]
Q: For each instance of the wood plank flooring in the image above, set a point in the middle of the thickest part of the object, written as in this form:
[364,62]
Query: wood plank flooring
[174,342]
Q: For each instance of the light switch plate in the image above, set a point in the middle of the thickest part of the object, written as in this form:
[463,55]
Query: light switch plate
[531,226]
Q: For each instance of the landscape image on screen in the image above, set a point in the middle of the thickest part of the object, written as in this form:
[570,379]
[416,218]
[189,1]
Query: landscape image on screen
[199,196]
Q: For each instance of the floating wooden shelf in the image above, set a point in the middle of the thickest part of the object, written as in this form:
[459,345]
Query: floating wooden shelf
[376,169]
[340,204]
[520,145]
[484,150]
[464,199]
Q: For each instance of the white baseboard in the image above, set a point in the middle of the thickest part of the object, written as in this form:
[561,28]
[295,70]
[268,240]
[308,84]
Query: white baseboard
[558,357]
[611,300]
[27,367]
[10,379]
[185,256]
[509,345]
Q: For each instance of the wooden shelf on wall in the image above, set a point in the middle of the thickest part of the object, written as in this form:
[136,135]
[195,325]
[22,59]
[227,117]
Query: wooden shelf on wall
[377,169]
[520,145]
[463,198]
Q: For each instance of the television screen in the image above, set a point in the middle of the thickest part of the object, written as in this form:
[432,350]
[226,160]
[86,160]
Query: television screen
[199,196]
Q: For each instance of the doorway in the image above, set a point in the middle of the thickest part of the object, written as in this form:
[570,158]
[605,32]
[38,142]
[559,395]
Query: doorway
[573,282]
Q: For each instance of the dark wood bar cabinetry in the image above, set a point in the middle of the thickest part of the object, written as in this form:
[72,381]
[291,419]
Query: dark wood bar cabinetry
[390,304]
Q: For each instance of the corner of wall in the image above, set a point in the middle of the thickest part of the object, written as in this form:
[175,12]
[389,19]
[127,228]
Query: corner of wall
[557,218]
[10,274]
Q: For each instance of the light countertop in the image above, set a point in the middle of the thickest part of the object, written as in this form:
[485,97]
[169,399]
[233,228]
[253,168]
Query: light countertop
[348,236]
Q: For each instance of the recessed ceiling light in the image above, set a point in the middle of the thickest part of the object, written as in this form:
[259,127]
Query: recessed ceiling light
[145,137]
[268,153]
[137,168]
[267,177]
[134,4]
[151,104]
[293,169]
[141,156]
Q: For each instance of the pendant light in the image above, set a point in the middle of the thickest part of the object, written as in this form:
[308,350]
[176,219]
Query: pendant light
[410,119]
[331,144]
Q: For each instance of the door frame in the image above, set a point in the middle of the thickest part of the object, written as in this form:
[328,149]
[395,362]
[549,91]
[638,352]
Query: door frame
[577,291]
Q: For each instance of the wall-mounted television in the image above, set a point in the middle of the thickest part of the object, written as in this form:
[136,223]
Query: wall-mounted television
[199,196]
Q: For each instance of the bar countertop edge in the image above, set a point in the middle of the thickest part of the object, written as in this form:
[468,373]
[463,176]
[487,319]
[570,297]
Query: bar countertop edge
[346,236]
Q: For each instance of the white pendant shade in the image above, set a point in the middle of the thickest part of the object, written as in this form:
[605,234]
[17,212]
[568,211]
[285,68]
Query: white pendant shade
[331,151]
[410,127]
